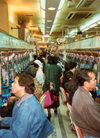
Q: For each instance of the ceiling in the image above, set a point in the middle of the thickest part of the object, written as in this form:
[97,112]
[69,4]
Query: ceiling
[71,16]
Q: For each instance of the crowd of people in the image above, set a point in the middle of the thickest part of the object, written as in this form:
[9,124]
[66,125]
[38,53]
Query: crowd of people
[29,121]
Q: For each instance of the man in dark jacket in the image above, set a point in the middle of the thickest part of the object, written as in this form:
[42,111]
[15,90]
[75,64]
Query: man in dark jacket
[85,111]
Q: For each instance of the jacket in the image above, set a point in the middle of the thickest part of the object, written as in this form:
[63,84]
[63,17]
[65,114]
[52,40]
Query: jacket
[52,74]
[86,113]
[27,121]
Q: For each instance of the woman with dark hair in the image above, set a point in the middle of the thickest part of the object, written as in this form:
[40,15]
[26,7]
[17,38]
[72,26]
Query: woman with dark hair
[85,111]
[52,76]
[68,74]
[28,120]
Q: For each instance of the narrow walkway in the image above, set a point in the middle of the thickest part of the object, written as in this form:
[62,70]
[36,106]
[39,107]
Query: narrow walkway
[61,123]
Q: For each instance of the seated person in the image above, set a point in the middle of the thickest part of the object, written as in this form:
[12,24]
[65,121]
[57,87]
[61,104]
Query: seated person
[68,74]
[32,70]
[28,120]
[85,111]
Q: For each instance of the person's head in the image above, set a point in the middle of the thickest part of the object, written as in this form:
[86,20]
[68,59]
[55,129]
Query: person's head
[70,66]
[52,60]
[40,59]
[35,57]
[22,84]
[32,70]
[38,63]
[86,78]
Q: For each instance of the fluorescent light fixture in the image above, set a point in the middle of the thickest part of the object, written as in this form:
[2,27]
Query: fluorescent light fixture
[98,22]
[57,14]
[66,36]
[43,29]
[73,32]
[43,4]
[51,8]
[49,20]
[93,25]
[43,14]
[48,27]
[85,29]
[61,4]
[46,35]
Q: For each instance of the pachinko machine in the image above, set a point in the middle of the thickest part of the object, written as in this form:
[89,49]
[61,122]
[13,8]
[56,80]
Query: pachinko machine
[12,62]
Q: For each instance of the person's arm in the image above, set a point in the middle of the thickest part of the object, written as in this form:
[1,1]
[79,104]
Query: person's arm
[6,121]
[20,125]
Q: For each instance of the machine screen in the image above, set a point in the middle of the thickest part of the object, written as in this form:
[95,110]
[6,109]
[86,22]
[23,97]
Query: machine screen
[95,67]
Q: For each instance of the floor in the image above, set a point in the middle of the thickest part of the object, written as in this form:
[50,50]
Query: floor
[61,123]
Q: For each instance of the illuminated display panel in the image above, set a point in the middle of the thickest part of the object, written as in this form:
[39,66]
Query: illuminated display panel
[95,67]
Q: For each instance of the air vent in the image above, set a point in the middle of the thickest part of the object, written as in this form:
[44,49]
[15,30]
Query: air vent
[79,15]
[88,15]
[70,16]
[84,3]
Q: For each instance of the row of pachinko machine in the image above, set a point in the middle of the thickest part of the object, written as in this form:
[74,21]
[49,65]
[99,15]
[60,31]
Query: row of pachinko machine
[86,59]
[11,63]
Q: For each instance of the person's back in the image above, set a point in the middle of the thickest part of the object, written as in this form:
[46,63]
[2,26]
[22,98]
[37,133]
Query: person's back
[52,74]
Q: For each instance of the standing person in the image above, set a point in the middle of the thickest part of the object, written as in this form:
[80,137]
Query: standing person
[60,64]
[85,111]
[28,120]
[52,75]
[39,74]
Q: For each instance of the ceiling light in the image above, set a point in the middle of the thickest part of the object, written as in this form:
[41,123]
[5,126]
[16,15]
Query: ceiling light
[98,22]
[57,14]
[51,8]
[46,36]
[43,4]
[93,25]
[70,3]
[49,20]
[61,4]
[48,27]
[85,29]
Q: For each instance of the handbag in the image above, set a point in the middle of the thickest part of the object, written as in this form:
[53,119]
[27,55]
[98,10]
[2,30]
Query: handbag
[48,100]
[51,97]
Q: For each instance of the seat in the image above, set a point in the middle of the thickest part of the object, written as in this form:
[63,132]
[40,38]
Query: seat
[42,100]
[63,95]
[77,129]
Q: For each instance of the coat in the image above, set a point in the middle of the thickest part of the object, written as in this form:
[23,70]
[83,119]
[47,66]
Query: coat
[27,121]
[86,113]
[52,74]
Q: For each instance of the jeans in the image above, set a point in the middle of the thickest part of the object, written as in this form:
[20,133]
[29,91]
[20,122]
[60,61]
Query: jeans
[85,136]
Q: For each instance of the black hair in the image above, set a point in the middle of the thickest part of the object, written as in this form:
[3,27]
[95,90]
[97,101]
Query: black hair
[70,65]
[52,60]
[35,57]
[79,77]
[31,71]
